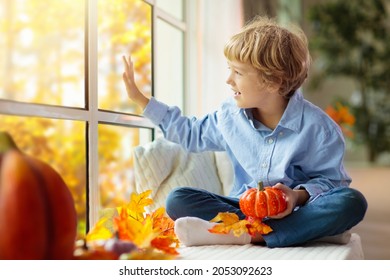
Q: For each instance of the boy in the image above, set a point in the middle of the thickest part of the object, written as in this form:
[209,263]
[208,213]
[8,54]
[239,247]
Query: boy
[272,134]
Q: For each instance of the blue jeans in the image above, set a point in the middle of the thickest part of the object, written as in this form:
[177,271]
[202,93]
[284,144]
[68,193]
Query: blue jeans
[330,213]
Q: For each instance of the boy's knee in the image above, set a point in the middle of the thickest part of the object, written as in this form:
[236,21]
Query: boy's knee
[356,202]
[175,202]
[177,195]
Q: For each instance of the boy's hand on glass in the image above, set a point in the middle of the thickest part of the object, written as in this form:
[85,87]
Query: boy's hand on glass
[293,198]
[132,90]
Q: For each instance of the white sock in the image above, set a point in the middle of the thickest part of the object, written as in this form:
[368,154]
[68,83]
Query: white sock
[193,231]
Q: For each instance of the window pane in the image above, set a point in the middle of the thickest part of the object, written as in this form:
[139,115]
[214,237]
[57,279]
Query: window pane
[42,51]
[59,143]
[125,27]
[169,64]
[174,7]
[116,170]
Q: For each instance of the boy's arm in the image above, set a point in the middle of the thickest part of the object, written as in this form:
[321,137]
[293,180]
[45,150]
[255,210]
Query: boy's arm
[132,90]
[325,168]
[193,134]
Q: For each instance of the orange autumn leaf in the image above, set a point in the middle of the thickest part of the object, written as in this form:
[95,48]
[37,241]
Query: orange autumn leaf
[150,232]
[162,223]
[139,231]
[126,227]
[227,222]
[255,225]
[166,243]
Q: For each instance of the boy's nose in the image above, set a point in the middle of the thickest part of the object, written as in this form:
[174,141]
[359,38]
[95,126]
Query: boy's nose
[229,80]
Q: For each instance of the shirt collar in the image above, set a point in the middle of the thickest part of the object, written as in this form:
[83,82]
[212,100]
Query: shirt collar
[292,116]
[254,123]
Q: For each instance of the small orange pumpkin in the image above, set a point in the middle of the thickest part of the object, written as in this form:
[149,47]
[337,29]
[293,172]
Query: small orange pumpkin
[262,202]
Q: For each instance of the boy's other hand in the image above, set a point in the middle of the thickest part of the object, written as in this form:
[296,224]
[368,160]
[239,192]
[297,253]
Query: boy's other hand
[293,198]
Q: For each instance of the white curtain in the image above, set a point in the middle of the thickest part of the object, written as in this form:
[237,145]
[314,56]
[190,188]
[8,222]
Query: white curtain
[211,23]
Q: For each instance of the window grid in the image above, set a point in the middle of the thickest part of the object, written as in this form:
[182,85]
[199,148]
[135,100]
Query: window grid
[91,114]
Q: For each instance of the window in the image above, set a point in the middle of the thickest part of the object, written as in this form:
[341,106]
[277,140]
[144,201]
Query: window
[61,92]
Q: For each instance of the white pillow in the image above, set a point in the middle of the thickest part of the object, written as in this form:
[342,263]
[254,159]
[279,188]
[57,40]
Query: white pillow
[162,165]
[225,171]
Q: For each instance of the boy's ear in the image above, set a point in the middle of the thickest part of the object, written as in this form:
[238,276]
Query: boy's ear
[274,86]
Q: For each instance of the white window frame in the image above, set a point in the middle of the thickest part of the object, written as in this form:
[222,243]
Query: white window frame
[195,93]
[91,114]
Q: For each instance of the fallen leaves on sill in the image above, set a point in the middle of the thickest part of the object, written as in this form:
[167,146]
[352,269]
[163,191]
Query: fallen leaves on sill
[151,233]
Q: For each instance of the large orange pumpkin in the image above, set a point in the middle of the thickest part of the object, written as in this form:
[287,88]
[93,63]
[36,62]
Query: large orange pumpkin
[37,214]
[262,202]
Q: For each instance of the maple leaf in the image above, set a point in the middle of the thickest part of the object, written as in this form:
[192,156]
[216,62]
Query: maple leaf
[255,225]
[140,232]
[137,204]
[227,222]
[99,231]
[163,223]
[166,241]
[148,231]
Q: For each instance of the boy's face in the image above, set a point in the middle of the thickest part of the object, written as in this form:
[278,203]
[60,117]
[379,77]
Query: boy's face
[249,90]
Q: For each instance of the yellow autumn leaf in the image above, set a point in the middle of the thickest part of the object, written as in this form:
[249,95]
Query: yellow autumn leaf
[136,207]
[148,231]
[99,231]
[226,217]
[229,222]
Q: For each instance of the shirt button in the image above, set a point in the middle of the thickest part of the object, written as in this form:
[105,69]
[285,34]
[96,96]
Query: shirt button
[281,133]
[270,141]
[264,165]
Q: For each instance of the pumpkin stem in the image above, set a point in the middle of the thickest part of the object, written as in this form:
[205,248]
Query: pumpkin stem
[260,186]
[6,142]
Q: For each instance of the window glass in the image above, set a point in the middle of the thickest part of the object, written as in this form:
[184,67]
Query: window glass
[169,64]
[42,51]
[124,28]
[173,7]
[61,144]
[116,166]
[43,55]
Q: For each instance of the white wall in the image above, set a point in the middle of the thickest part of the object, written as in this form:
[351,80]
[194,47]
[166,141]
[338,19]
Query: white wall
[211,23]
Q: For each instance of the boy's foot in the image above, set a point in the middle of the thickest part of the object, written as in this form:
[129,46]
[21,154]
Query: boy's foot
[193,231]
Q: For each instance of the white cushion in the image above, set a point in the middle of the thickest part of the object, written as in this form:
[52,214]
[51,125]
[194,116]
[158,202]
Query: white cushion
[315,250]
[162,165]
[225,171]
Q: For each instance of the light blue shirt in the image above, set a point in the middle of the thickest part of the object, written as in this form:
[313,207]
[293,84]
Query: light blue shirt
[305,150]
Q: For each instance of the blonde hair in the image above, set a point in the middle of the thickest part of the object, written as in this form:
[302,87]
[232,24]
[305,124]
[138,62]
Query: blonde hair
[280,55]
